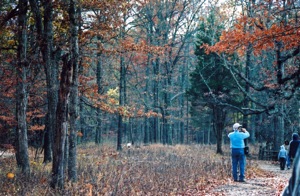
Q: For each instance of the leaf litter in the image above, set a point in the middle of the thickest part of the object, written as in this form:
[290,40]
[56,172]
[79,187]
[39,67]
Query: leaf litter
[271,183]
[151,170]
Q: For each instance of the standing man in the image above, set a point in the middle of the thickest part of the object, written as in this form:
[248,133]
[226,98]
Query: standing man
[237,146]
[293,146]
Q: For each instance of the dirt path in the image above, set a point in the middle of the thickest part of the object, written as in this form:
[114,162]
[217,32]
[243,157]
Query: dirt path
[265,186]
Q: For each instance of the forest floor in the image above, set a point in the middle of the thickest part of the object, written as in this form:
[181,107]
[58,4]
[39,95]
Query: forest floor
[152,170]
[270,185]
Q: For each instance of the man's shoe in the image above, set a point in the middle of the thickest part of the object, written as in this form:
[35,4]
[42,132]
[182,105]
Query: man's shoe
[242,181]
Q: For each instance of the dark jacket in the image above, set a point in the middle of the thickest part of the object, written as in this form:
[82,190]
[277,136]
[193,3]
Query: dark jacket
[294,145]
[293,187]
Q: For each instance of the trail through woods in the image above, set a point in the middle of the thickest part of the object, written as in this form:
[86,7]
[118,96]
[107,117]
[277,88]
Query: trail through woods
[265,186]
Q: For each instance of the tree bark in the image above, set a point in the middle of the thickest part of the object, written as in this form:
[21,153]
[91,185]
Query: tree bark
[61,125]
[156,129]
[50,60]
[73,107]
[219,116]
[99,75]
[21,92]
[147,137]
[98,135]
[121,103]
[122,92]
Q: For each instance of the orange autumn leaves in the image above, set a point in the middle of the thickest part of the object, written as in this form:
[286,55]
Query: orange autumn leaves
[251,31]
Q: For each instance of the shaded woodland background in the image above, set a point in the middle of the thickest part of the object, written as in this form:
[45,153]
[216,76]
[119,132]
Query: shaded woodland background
[144,72]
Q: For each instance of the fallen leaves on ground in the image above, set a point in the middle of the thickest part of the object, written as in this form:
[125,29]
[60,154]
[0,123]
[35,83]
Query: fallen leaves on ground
[148,170]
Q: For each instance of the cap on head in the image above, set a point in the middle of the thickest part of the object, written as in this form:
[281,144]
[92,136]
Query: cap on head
[236,126]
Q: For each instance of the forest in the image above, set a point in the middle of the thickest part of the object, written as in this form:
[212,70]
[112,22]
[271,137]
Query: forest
[93,77]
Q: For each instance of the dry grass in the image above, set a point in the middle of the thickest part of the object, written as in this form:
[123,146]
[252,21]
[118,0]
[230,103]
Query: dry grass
[149,170]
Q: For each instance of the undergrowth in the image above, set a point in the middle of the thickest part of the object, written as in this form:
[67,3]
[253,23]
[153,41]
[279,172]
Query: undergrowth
[148,170]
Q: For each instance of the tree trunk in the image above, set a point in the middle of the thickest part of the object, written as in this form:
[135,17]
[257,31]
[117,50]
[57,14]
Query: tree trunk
[219,121]
[66,152]
[52,97]
[99,75]
[156,132]
[98,136]
[147,138]
[50,59]
[121,103]
[147,131]
[252,128]
[51,69]
[82,122]
[61,125]
[73,107]
[21,92]
[187,120]
[167,103]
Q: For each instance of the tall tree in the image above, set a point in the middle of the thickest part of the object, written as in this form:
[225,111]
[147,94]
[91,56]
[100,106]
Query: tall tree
[122,89]
[211,83]
[58,165]
[22,91]
[44,26]
[122,127]
[73,106]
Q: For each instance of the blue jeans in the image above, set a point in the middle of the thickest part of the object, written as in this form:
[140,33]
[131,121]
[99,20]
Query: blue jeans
[288,162]
[238,159]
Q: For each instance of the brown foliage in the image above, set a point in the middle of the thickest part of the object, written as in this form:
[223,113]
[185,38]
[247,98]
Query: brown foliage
[269,22]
